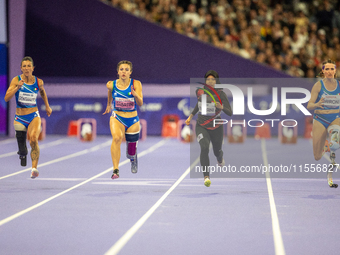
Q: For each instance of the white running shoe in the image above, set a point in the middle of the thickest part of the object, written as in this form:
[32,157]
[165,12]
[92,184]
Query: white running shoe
[207,182]
[34,173]
[221,163]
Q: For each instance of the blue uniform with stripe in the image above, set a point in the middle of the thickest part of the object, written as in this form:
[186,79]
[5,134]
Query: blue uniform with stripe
[26,97]
[330,96]
[124,101]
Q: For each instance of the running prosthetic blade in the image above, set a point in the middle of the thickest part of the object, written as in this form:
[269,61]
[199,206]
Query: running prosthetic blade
[330,172]
[23,160]
[134,165]
[22,152]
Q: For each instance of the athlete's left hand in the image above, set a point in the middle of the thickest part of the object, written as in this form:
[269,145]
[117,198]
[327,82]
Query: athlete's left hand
[219,106]
[107,110]
[133,92]
[48,111]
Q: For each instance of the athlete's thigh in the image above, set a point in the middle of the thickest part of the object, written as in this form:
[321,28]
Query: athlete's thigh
[216,137]
[202,136]
[117,129]
[34,127]
[134,128]
[319,136]
[336,122]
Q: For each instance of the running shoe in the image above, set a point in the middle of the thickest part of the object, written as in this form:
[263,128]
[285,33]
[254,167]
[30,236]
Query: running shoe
[34,173]
[207,182]
[115,174]
[332,185]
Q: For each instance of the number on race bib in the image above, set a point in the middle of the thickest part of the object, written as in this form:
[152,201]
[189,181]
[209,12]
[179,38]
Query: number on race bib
[124,103]
[27,98]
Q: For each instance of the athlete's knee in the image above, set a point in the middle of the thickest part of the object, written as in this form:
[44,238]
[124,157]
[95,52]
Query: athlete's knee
[34,142]
[34,136]
[131,144]
[317,157]
[117,138]
[217,151]
[204,148]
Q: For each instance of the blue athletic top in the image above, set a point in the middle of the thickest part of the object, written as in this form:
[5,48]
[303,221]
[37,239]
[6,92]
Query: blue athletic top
[331,98]
[123,100]
[26,96]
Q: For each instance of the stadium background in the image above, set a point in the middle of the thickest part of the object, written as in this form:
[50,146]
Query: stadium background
[76,51]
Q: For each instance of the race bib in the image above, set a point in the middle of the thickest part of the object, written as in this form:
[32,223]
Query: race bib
[211,108]
[27,98]
[331,101]
[125,103]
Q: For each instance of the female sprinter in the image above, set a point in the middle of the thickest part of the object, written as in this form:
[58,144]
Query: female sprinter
[205,129]
[126,93]
[25,87]
[325,101]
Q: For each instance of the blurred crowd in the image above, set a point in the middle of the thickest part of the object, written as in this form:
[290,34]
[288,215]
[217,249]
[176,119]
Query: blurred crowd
[293,36]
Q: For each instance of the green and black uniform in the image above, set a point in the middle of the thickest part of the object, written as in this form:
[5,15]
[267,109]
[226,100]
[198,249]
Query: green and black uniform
[205,129]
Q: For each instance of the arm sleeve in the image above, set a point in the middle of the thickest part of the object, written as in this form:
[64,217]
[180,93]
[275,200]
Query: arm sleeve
[195,110]
[226,106]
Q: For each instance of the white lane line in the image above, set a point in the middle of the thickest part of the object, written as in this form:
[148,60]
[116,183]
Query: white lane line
[14,216]
[60,179]
[43,146]
[106,181]
[278,242]
[134,183]
[10,140]
[76,154]
[130,233]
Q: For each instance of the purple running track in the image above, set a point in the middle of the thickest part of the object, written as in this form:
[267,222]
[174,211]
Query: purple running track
[233,216]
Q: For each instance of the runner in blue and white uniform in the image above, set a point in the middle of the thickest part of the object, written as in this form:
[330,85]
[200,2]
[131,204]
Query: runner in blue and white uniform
[325,101]
[25,88]
[124,94]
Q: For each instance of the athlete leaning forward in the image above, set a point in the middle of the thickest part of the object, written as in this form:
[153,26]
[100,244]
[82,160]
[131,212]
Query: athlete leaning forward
[325,100]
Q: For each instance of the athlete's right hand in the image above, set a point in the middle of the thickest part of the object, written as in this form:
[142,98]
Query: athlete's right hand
[188,120]
[20,83]
[108,110]
[320,103]
[48,111]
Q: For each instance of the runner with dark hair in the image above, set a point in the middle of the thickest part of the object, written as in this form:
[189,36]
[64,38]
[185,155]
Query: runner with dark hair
[206,129]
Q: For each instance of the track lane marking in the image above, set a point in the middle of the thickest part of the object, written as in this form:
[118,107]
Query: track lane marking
[278,242]
[130,233]
[16,215]
[43,146]
[73,155]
